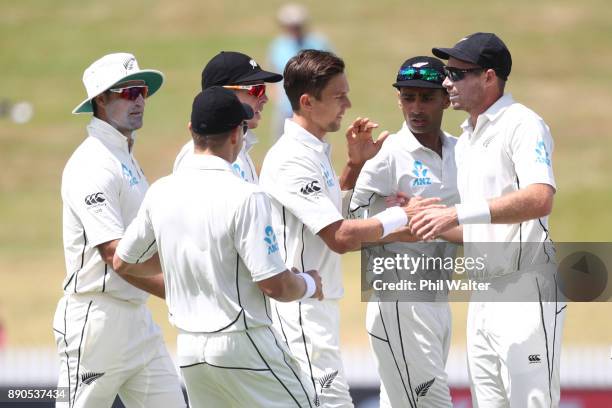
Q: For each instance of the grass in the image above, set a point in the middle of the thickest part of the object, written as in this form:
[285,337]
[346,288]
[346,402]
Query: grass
[559,71]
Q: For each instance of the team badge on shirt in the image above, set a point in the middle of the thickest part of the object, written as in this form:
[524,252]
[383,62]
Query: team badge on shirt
[542,155]
[270,239]
[420,173]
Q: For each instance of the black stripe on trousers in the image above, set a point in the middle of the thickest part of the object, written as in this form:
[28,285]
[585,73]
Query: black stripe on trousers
[306,349]
[270,368]
[399,372]
[288,365]
[66,350]
[399,330]
[76,387]
[545,340]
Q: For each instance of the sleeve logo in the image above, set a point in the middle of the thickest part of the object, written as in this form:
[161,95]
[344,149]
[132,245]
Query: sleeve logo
[238,171]
[270,239]
[542,155]
[93,199]
[311,188]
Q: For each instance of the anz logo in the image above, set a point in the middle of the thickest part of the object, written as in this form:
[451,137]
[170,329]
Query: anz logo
[329,180]
[270,239]
[542,155]
[127,173]
[239,172]
[420,172]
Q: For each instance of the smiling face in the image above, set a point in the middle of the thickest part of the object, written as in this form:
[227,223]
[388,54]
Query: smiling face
[468,93]
[123,114]
[327,110]
[423,108]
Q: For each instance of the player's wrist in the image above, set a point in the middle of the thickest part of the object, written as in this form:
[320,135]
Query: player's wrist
[311,286]
[476,212]
[391,219]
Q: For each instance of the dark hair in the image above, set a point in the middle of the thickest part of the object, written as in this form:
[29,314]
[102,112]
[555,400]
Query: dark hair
[308,73]
[210,140]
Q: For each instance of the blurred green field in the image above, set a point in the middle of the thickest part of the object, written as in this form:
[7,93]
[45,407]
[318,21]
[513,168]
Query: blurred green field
[562,69]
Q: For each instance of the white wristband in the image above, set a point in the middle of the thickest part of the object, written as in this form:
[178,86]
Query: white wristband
[311,286]
[392,219]
[473,213]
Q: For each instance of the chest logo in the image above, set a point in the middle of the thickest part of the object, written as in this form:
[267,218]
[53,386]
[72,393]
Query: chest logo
[127,173]
[542,155]
[420,173]
[270,239]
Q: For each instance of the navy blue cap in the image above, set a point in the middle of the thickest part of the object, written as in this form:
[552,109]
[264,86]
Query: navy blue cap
[217,110]
[421,72]
[235,68]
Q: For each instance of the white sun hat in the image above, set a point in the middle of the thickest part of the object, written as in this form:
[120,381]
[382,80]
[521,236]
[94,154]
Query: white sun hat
[112,69]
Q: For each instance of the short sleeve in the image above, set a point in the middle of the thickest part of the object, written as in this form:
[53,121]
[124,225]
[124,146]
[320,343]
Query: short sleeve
[255,240]
[138,243]
[374,180]
[531,148]
[94,195]
[300,188]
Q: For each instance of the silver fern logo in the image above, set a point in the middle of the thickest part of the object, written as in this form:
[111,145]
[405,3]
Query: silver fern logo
[88,378]
[324,383]
[421,389]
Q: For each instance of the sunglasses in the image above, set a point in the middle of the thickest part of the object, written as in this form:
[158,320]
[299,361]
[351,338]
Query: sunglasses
[245,127]
[457,74]
[132,92]
[426,74]
[255,90]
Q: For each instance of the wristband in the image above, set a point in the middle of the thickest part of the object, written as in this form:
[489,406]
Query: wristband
[392,219]
[473,213]
[311,286]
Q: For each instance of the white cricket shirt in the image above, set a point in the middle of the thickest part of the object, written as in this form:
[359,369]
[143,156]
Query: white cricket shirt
[298,175]
[102,188]
[509,149]
[405,165]
[213,234]
[243,166]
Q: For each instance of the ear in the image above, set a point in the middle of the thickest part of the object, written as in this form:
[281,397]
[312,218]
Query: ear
[490,77]
[235,135]
[399,99]
[189,126]
[305,102]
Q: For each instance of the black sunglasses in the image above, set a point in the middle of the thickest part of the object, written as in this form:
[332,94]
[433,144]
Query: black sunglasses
[457,74]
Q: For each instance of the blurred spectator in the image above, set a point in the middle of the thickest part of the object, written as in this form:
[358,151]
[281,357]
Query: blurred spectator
[293,20]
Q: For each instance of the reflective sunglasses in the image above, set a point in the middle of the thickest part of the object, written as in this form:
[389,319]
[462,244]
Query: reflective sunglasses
[255,90]
[457,74]
[426,74]
[132,92]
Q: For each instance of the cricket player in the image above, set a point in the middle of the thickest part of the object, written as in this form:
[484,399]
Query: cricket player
[506,183]
[410,334]
[307,212]
[241,74]
[107,341]
[221,264]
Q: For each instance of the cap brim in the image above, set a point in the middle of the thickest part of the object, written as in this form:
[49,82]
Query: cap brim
[446,53]
[260,76]
[152,78]
[417,83]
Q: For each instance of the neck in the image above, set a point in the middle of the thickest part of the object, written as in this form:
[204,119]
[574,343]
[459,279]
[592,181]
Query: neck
[487,102]
[225,152]
[309,125]
[432,141]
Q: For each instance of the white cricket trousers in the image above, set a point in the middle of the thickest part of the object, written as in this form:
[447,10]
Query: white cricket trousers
[513,348]
[107,347]
[311,329]
[410,341]
[250,368]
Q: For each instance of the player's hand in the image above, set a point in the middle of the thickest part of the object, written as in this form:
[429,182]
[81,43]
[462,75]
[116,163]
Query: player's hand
[418,204]
[430,223]
[319,284]
[360,145]
[398,200]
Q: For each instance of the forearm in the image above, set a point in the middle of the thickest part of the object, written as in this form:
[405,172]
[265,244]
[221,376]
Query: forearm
[284,287]
[532,202]
[353,233]
[153,284]
[146,276]
[349,175]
